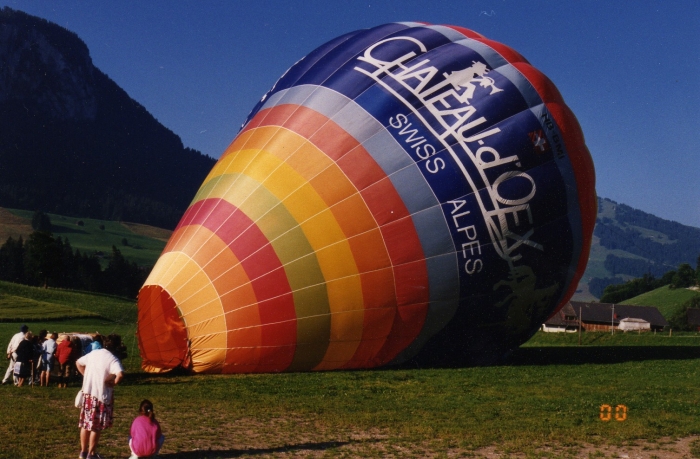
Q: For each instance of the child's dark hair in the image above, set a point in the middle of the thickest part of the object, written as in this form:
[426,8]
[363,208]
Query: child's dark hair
[146,409]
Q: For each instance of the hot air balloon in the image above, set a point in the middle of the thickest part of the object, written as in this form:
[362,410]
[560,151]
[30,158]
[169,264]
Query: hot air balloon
[409,191]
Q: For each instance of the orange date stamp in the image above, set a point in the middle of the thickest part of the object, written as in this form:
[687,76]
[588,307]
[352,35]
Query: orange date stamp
[606,413]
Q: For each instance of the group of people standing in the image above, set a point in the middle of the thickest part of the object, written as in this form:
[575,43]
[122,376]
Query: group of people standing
[32,357]
[101,369]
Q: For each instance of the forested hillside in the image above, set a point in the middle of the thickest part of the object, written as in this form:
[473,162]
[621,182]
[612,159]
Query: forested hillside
[73,142]
[629,243]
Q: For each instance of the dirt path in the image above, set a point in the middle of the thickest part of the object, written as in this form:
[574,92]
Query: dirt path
[252,443]
[663,449]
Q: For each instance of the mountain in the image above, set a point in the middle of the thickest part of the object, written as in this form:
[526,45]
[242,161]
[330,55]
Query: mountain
[73,142]
[628,243]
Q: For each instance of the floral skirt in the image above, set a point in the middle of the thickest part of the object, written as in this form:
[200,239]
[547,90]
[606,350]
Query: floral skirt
[95,415]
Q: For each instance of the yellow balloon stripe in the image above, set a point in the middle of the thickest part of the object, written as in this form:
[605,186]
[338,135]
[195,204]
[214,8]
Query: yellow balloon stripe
[291,247]
[316,220]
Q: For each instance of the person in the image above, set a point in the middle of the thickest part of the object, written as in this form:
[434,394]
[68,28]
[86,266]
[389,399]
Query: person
[145,436]
[101,371]
[114,344]
[95,345]
[77,353]
[24,359]
[48,348]
[11,348]
[36,359]
[64,350]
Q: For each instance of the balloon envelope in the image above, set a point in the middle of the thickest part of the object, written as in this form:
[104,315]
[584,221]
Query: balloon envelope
[406,191]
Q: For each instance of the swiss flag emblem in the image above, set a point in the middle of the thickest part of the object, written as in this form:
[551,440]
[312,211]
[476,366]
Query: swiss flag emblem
[539,141]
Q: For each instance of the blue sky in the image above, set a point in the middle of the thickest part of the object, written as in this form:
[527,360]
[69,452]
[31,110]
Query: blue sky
[630,70]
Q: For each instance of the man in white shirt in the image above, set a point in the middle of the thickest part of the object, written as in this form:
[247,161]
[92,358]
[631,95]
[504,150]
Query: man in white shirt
[12,347]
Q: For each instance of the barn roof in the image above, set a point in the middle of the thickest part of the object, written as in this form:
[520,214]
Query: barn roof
[603,313]
[565,317]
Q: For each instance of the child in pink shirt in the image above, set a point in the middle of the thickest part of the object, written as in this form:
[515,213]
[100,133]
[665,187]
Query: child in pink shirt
[145,439]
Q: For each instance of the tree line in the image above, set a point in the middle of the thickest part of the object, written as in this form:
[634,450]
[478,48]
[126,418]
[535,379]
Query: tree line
[683,277]
[48,261]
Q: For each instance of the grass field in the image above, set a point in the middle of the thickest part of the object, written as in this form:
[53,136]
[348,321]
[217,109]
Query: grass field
[112,308]
[14,308]
[665,299]
[544,401]
[145,243]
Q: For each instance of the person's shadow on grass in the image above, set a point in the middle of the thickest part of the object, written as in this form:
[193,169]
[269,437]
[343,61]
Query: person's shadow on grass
[229,453]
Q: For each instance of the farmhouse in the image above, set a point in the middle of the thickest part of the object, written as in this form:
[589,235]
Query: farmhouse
[604,316]
[565,320]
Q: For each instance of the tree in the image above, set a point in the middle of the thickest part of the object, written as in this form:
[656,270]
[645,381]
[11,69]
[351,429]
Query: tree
[42,259]
[41,222]
[684,277]
[12,261]
[67,277]
[621,292]
[667,278]
[48,261]
[122,277]
[679,318]
[89,273]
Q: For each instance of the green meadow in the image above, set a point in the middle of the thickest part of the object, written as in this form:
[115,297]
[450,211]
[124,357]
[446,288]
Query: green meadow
[544,401]
[666,300]
[143,243]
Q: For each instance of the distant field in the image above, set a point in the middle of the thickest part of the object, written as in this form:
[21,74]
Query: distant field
[145,243]
[667,300]
[544,401]
[13,226]
[148,231]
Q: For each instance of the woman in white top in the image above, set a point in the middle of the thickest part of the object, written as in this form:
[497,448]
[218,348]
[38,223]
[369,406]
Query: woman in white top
[101,371]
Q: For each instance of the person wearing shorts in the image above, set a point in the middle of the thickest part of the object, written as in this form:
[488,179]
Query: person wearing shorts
[48,348]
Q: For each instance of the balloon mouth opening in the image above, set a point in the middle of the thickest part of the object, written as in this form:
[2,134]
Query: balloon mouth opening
[161,332]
